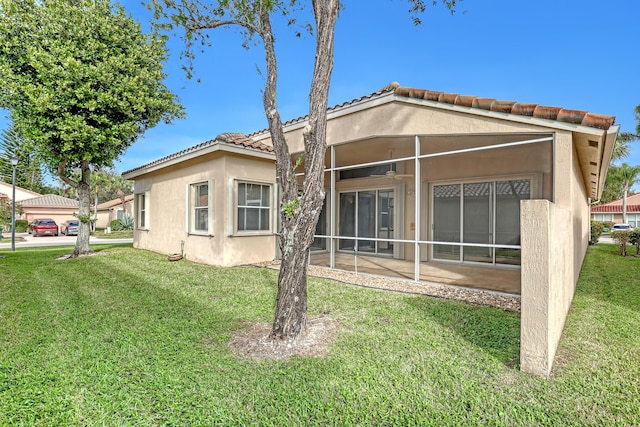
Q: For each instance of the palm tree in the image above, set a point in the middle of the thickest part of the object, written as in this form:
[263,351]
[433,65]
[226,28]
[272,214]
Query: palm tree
[622,150]
[630,175]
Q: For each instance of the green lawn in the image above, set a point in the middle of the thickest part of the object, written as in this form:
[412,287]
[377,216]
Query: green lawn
[128,338]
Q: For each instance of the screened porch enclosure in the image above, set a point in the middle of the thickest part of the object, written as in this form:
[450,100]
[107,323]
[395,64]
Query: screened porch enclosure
[442,209]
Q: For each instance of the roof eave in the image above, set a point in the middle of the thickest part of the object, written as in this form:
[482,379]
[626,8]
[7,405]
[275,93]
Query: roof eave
[610,136]
[208,149]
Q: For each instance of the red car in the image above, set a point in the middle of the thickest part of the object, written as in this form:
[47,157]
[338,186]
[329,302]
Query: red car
[42,226]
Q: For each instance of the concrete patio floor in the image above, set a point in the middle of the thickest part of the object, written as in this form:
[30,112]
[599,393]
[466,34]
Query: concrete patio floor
[500,279]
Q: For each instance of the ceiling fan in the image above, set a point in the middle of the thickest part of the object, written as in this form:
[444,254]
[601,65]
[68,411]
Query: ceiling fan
[393,174]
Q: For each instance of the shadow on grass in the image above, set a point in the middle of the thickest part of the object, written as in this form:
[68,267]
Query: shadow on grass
[493,331]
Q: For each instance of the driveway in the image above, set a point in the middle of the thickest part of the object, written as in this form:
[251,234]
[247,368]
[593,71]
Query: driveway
[30,241]
[605,239]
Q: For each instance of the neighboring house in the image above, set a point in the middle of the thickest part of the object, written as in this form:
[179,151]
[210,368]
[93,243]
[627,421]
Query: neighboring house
[51,206]
[430,186]
[612,211]
[21,193]
[108,211]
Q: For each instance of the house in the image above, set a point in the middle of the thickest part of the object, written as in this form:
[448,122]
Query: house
[108,211]
[51,206]
[429,186]
[612,211]
[21,193]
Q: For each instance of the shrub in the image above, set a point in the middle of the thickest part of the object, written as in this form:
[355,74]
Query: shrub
[21,225]
[116,225]
[608,225]
[596,232]
[634,239]
[621,237]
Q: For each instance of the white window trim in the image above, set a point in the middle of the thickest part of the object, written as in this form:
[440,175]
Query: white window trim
[609,215]
[190,216]
[233,207]
[145,210]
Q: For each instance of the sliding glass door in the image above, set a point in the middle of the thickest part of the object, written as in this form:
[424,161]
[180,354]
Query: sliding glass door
[366,215]
[478,213]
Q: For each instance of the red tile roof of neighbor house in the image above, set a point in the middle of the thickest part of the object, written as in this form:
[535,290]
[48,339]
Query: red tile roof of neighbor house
[614,206]
[614,209]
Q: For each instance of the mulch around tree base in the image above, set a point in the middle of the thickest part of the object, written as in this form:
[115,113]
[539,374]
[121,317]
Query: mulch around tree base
[256,344]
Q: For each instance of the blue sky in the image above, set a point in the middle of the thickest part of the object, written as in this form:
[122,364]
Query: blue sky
[578,54]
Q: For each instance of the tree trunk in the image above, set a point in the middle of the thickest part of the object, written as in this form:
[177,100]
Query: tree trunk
[624,202]
[84,211]
[299,213]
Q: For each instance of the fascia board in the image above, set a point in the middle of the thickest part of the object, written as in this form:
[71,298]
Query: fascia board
[217,146]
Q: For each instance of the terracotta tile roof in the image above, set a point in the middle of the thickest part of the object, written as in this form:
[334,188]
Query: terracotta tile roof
[614,206]
[236,139]
[242,140]
[50,200]
[559,114]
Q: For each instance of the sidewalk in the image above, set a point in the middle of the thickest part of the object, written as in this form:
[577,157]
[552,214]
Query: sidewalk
[28,241]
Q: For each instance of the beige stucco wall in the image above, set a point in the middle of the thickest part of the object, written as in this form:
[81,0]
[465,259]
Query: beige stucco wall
[547,282]
[21,193]
[407,119]
[105,216]
[555,237]
[167,210]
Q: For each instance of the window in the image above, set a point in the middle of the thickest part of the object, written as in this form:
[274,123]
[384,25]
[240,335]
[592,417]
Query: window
[119,214]
[603,217]
[199,209]
[254,207]
[142,210]
[363,172]
[479,213]
[633,220]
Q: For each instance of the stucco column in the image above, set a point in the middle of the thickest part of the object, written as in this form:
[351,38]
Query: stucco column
[535,354]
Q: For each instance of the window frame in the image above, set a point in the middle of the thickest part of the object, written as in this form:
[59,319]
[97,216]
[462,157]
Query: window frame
[142,210]
[191,208]
[535,192]
[602,215]
[235,208]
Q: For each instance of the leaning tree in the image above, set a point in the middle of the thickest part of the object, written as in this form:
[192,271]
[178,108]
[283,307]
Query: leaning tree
[82,82]
[300,207]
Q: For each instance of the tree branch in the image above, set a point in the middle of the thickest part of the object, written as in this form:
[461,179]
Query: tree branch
[61,173]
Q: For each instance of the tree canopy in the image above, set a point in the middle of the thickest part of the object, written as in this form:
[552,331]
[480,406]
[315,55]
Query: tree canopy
[29,171]
[82,82]
[107,182]
[619,179]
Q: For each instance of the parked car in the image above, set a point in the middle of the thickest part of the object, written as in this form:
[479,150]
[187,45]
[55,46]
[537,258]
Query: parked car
[69,227]
[42,226]
[620,227]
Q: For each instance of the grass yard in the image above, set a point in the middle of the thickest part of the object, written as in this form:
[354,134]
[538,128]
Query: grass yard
[128,338]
